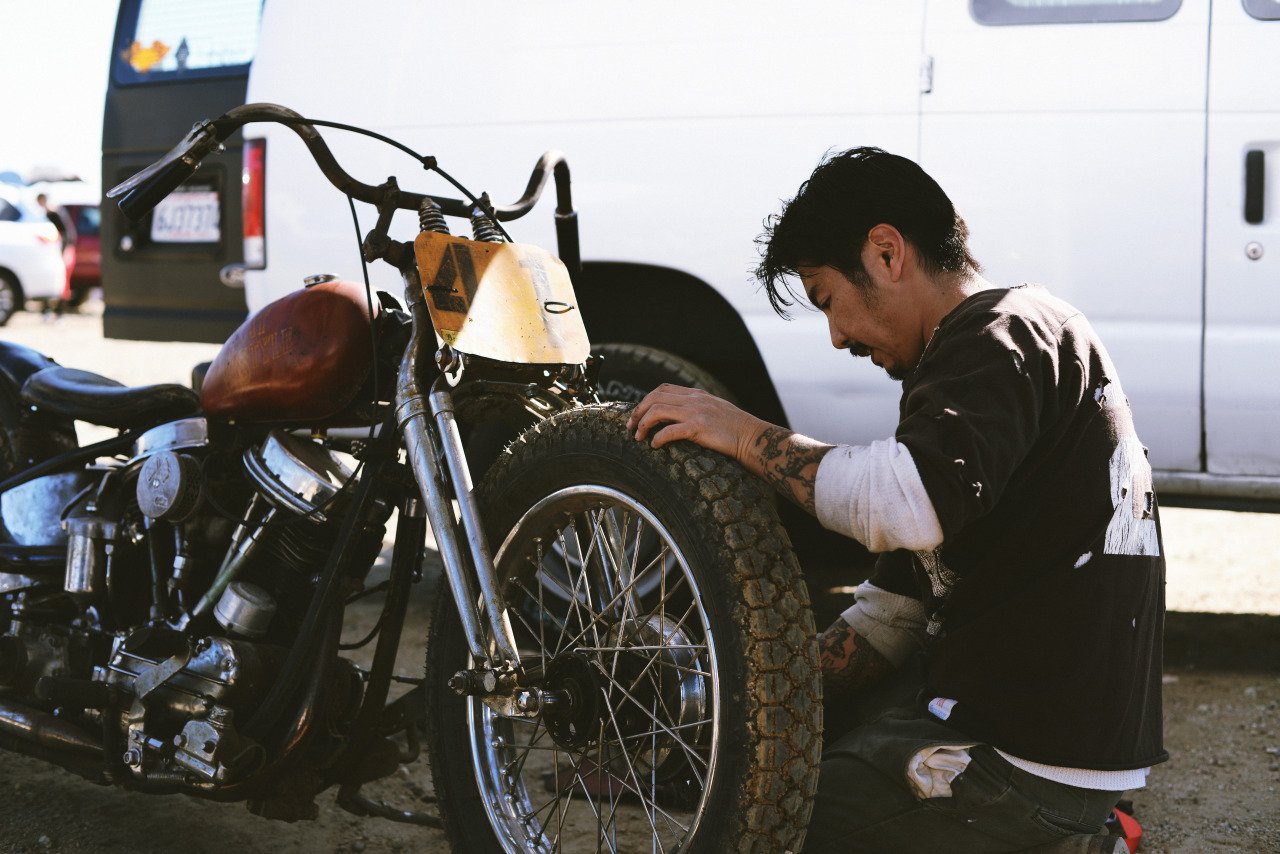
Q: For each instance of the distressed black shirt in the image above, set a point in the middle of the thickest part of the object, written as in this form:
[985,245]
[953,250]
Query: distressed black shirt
[1046,598]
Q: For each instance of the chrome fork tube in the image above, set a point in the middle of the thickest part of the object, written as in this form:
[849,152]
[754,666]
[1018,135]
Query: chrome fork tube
[447,428]
[424,455]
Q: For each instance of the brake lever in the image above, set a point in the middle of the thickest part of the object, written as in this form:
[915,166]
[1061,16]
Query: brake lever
[200,142]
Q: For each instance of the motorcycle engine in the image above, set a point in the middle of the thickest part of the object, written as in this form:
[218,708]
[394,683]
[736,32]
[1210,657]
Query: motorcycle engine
[186,698]
[182,606]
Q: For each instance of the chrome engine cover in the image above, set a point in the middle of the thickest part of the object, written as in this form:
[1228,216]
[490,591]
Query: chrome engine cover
[186,698]
[183,434]
[296,474]
[188,683]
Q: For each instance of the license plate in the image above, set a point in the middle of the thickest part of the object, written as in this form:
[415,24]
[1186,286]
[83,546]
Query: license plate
[187,216]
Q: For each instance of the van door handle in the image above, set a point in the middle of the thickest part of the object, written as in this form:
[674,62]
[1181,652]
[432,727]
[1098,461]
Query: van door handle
[1255,171]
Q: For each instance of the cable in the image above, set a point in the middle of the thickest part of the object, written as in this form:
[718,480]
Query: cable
[368,591]
[364,641]
[487,210]
[428,162]
[368,296]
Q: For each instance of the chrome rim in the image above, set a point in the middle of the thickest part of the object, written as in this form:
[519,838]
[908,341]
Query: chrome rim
[626,763]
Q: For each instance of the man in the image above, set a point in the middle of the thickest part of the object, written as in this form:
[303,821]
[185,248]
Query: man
[67,233]
[996,684]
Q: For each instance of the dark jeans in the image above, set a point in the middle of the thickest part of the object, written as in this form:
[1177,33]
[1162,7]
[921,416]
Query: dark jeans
[865,803]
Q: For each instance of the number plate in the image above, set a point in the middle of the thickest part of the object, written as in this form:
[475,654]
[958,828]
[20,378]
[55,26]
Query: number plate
[187,216]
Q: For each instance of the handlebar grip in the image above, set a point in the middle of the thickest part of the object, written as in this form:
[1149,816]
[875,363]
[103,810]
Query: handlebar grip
[138,202]
[567,241]
[140,193]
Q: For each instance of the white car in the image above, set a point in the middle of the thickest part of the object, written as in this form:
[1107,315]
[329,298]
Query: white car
[31,265]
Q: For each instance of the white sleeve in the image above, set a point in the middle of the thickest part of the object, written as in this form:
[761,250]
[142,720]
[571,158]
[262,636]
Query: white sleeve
[893,624]
[874,494]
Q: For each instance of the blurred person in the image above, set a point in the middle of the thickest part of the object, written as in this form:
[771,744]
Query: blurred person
[996,684]
[65,224]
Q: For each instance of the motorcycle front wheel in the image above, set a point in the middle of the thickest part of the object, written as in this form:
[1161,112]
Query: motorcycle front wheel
[659,609]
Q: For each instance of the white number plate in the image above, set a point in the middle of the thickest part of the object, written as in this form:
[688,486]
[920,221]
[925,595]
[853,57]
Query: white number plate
[187,216]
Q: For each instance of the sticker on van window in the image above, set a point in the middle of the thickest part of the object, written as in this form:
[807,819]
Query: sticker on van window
[164,39]
[141,59]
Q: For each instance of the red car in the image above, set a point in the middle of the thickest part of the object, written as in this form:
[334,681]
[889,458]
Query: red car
[87,272]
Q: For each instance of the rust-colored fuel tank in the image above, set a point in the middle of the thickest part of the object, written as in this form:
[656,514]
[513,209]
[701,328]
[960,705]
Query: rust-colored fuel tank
[300,359]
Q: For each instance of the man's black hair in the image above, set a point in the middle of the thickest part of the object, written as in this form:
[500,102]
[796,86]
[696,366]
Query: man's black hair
[851,192]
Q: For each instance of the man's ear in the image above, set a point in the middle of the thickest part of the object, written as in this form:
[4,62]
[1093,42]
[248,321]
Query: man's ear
[888,248]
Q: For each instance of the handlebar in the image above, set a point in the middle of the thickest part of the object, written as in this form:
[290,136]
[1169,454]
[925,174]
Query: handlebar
[140,193]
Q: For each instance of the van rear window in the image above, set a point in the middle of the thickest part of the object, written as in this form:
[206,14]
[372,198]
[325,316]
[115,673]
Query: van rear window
[1071,11]
[161,40]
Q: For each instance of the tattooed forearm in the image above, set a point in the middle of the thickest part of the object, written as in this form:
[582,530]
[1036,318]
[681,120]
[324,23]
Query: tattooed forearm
[848,662]
[790,463]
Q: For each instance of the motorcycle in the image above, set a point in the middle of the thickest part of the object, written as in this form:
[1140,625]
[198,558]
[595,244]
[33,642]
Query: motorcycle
[633,666]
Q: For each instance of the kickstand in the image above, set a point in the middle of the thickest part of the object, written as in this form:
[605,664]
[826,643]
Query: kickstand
[350,799]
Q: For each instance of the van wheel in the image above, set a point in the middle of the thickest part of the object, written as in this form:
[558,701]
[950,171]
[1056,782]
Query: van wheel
[10,296]
[630,371]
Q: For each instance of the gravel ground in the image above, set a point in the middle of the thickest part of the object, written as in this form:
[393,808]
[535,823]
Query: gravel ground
[1218,793]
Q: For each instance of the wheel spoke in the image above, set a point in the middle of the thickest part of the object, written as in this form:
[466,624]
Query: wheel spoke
[681,668]
[542,613]
[650,806]
[601,824]
[585,575]
[602,545]
[689,751]
[525,621]
[573,643]
[575,604]
[518,763]
[569,792]
[654,732]
[635,682]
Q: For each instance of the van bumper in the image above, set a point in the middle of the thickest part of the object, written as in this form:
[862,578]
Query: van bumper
[1229,492]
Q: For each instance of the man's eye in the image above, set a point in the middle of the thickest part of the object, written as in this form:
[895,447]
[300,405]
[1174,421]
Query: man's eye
[824,305]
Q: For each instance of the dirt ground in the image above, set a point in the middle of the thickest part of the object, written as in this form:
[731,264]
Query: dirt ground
[1219,793]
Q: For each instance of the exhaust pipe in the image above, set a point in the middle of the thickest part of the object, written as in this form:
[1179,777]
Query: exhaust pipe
[37,727]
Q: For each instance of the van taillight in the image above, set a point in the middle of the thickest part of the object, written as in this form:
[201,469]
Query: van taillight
[254,200]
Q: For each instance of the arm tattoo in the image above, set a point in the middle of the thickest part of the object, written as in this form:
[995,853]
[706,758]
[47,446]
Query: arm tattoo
[848,662]
[787,463]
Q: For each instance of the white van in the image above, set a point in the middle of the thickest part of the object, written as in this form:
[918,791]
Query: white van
[1114,150]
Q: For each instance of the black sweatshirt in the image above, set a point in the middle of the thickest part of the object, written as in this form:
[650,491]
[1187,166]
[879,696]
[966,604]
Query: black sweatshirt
[1046,598]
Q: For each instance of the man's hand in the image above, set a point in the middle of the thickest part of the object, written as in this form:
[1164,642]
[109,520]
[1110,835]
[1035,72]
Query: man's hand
[788,461]
[849,665]
[672,412]
[848,661]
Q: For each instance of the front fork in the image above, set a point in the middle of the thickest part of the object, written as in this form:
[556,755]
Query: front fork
[434,447]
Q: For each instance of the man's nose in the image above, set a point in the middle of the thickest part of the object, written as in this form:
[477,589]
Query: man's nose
[837,337]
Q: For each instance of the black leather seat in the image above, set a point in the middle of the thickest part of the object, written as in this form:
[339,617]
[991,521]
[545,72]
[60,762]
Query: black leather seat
[88,397]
